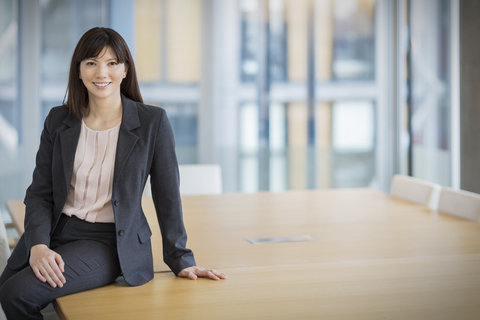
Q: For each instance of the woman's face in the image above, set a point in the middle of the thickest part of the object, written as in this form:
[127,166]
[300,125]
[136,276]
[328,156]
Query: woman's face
[102,75]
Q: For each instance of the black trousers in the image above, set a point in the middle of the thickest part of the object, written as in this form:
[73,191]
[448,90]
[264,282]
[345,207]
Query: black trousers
[91,261]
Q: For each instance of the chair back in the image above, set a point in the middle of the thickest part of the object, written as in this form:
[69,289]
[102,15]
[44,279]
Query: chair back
[416,190]
[460,203]
[196,179]
[199,179]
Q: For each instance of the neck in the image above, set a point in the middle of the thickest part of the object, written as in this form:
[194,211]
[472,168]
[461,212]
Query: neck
[104,109]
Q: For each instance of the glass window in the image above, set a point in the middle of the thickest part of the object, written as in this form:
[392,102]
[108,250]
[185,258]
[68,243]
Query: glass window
[353,144]
[353,39]
[321,129]
[10,123]
[63,23]
[167,45]
[183,118]
[148,40]
[296,16]
[277,41]
[8,71]
[249,143]
[249,38]
[168,57]
[430,90]
[165,42]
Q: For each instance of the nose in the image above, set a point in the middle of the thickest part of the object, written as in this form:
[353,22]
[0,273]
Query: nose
[101,71]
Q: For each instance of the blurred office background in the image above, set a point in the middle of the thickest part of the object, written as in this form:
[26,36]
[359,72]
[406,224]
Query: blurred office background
[283,94]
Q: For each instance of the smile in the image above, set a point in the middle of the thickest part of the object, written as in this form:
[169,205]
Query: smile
[101,84]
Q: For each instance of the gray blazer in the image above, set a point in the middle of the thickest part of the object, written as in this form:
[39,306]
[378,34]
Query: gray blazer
[145,146]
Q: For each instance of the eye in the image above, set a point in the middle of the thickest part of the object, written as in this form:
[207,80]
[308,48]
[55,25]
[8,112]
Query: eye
[113,63]
[90,63]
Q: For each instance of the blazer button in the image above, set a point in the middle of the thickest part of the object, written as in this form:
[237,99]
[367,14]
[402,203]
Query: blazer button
[116,203]
[121,233]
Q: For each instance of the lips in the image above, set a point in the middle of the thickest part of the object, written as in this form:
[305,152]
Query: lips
[101,84]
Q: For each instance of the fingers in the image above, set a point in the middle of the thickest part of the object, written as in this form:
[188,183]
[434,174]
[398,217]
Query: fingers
[219,275]
[212,275]
[51,277]
[38,274]
[57,267]
[46,274]
[60,263]
[49,267]
[215,275]
[195,272]
[52,273]
[208,273]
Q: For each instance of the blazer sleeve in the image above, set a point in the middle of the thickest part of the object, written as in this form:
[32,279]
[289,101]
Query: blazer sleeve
[164,178]
[39,196]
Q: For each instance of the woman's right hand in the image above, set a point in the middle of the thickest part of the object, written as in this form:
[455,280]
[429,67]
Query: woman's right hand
[47,265]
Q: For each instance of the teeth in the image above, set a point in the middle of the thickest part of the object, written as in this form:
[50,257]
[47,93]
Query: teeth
[101,84]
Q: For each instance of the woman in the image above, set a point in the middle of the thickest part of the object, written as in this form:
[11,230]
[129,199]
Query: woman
[84,224]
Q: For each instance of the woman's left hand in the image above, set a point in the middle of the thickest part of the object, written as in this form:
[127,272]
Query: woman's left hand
[195,272]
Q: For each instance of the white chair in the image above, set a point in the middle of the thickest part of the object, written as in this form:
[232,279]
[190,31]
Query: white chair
[200,179]
[196,179]
[460,203]
[416,190]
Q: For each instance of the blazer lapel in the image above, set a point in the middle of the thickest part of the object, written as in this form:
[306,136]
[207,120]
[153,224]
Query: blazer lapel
[68,143]
[126,139]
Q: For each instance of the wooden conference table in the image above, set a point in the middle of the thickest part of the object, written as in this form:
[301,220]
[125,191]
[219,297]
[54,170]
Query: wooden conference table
[375,257]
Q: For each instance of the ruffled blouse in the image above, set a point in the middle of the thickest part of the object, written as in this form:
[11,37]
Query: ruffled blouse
[90,193]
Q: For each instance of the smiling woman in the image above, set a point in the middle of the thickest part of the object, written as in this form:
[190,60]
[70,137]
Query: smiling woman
[102,76]
[102,73]
[84,223]
[102,57]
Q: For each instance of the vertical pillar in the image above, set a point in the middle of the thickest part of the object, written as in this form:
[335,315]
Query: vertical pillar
[30,102]
[469,95]
[263,95]
[311,101]
[207,95]
[386,127]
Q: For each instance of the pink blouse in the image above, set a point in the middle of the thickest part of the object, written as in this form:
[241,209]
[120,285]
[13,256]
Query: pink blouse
[90,193]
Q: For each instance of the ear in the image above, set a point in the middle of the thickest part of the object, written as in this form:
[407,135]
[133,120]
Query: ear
[126,71]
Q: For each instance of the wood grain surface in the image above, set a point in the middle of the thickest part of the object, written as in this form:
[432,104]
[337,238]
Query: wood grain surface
[422,288]
[376,257]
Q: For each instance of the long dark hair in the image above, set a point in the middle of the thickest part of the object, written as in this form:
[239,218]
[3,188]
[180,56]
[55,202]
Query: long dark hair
[90,45]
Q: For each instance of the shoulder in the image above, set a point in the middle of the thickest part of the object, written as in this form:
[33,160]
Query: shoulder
[150,112]
[58,112]
[150,115]
[56,117]
[144,117]
[154,122]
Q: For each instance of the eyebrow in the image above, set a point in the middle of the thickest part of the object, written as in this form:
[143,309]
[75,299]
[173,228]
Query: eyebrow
[114,59]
